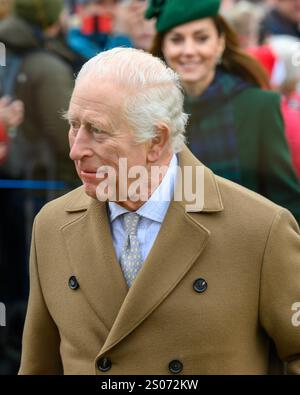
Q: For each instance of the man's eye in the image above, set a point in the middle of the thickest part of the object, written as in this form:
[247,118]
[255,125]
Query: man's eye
[74,125]
[95,130]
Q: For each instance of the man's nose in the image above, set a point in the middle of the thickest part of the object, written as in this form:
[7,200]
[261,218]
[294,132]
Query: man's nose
[80,145]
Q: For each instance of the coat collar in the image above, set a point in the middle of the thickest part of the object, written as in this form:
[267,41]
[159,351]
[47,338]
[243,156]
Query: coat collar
[212,201]
[93,260]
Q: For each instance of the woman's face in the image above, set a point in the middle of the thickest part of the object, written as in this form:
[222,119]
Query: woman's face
[193,49]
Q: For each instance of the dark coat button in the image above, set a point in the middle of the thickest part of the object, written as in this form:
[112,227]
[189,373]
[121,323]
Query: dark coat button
[200,285]
[175,366]
[104,364]
[73,283]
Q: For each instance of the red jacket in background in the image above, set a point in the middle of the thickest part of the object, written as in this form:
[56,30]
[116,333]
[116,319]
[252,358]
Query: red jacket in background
[3,140]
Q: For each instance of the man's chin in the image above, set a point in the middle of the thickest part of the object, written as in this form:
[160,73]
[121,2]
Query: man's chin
[90,190]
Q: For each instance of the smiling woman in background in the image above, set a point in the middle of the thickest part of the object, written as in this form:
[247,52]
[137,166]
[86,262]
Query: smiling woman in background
[235,127]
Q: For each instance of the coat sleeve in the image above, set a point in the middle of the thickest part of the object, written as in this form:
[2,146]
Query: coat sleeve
[280,289]
[279,182]
[41,340]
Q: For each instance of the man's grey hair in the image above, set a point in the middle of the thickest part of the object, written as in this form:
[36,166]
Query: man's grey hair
[154,91]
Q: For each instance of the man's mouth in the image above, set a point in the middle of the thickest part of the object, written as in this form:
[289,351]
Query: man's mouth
[88,171]
[92,174]
[87,174]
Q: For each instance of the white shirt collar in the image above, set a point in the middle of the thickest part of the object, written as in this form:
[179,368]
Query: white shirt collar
[156,207]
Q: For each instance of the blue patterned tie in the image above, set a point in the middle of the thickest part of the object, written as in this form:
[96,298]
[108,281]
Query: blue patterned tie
[131,257]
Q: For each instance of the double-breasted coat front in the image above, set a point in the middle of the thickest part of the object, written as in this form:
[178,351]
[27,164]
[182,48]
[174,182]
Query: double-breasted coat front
[218,289]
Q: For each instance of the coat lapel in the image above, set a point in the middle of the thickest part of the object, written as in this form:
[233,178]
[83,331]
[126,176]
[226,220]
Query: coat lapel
[92,258]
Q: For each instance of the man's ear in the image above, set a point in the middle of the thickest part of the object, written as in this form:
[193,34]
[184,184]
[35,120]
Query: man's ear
[158,144]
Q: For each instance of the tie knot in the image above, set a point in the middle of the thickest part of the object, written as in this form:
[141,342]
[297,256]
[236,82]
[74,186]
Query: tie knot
[131,221]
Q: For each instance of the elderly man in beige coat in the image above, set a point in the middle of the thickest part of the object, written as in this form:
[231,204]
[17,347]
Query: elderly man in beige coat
[156,286]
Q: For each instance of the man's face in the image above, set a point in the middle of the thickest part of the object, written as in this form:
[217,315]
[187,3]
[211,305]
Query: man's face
[290,9]
[99,133]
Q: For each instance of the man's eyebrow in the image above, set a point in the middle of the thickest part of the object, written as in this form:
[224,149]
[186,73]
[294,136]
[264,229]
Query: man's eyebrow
[66,115]
[97,122]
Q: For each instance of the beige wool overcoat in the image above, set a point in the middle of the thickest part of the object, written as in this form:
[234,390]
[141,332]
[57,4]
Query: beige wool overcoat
[219,292]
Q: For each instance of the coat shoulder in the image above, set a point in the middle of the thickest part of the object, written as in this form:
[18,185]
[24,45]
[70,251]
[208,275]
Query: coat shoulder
[245,204]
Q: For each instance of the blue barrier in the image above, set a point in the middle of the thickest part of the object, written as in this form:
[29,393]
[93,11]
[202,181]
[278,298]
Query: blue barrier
[32,184]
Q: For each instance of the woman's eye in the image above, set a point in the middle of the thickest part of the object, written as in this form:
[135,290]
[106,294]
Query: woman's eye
[202,38]
[176,40]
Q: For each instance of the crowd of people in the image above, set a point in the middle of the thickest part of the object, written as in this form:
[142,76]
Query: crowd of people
[240,73]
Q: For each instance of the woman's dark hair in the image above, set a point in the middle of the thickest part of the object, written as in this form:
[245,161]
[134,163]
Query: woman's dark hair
[234,60]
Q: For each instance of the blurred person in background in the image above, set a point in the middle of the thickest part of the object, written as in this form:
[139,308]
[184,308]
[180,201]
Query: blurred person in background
[44,83]
[285,79]
[132,22]
[235,128]
[276,56]
[92,29]
[56,41]
[246,19]
[283,18]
